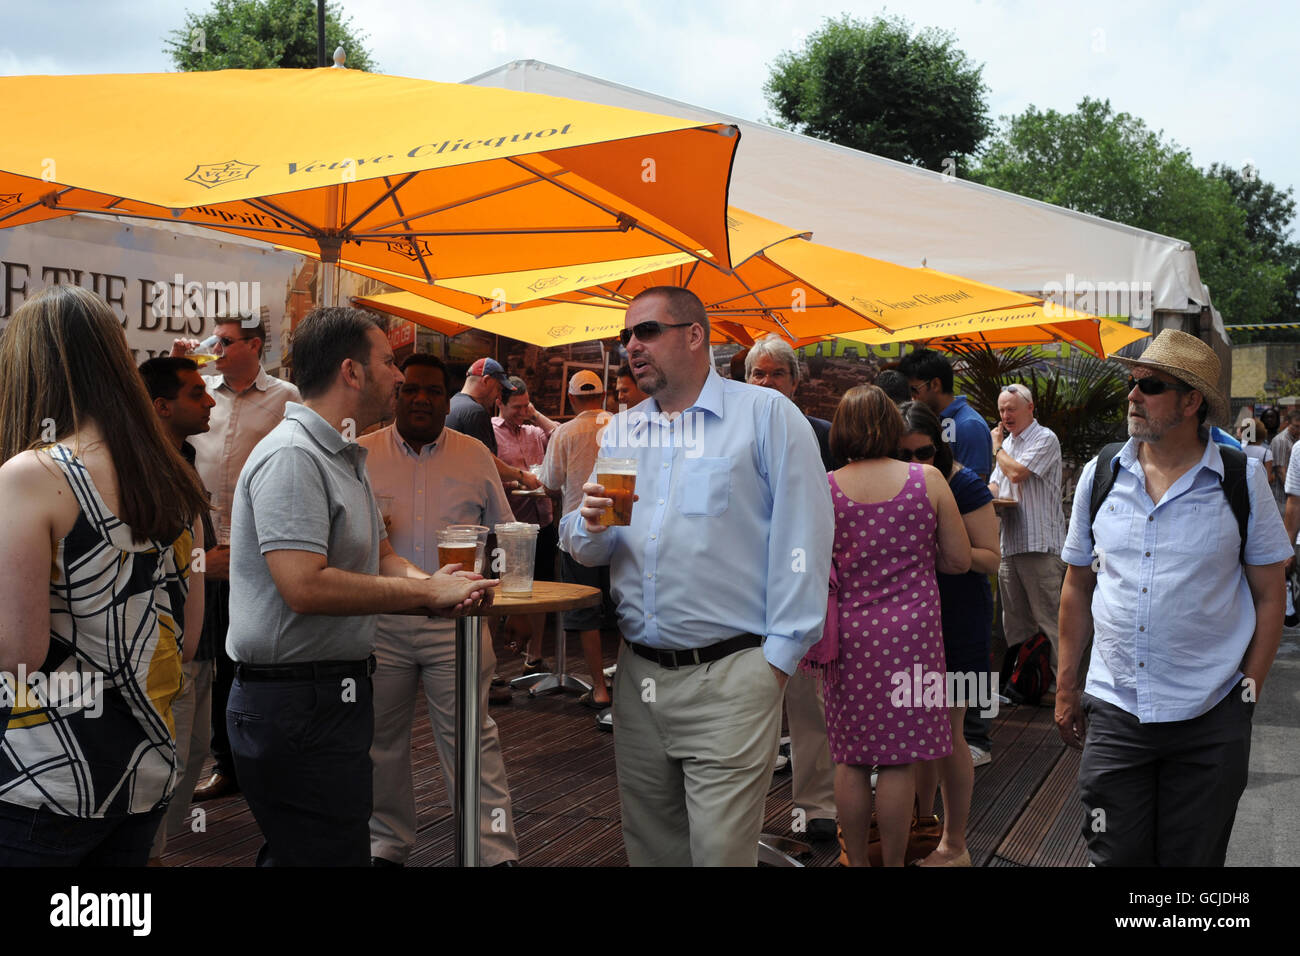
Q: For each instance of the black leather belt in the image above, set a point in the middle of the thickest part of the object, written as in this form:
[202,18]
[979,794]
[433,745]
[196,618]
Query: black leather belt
[317,670]
[699,655]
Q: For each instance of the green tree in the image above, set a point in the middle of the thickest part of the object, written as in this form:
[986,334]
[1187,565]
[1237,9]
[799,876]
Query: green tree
[1112,165]
[1269,212]
[263,34]
[877,87]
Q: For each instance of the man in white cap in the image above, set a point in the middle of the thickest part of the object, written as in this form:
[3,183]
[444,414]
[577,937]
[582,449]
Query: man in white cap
[1185,615]
[570,460]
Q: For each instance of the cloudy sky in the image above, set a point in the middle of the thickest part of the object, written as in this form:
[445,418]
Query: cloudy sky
[1217,77]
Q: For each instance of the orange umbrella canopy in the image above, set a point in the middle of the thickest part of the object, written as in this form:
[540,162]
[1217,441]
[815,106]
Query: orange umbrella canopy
[409,176]
[1035,324]
[781,283]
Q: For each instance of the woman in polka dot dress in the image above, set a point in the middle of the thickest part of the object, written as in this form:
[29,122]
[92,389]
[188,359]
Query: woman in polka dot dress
[895,523]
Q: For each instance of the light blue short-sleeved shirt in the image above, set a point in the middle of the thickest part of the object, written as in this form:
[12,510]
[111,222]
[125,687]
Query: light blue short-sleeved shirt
[1172,612]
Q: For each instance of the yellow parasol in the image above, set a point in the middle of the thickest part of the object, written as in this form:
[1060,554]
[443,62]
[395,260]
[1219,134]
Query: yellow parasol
[782,283]
[1008,328]
[422,179]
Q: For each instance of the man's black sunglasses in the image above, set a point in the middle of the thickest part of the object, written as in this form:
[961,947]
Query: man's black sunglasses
[1155,386]
[924,453]
[649,331]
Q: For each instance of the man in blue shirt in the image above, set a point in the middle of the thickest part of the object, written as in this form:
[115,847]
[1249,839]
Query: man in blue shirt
[720,582]
[1184,633]
[929,374]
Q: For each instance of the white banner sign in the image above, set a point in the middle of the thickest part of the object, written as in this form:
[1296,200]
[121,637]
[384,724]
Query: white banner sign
[161,283]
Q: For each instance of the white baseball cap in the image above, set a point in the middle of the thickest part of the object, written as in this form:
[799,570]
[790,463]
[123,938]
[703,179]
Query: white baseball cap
[585,382]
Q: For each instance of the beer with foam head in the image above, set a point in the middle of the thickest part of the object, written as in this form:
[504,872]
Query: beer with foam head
[618,477]
[462,544]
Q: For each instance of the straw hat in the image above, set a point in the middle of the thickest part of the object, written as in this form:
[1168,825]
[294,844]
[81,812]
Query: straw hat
[1189,360]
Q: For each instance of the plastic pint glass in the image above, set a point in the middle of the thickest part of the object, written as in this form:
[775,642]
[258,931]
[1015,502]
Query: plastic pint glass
[618,477]
[517,541]
[462,544]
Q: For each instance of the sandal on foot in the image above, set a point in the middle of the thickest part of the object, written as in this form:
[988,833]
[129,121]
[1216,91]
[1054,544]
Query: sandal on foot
[587,700]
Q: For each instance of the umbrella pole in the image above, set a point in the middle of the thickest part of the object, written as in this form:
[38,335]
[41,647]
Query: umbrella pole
[329,277]
[329,247]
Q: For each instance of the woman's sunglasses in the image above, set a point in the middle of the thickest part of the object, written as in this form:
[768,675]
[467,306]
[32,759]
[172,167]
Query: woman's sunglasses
[649,331]
[1154,386]
[924,453]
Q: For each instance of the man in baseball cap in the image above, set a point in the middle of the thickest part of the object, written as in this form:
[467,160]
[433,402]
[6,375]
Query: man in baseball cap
[570,460]
[1186,618]
[472,406]
[491,368]
[586,382]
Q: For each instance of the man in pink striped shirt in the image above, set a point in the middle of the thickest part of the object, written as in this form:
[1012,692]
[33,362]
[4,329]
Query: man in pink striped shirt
[522,433]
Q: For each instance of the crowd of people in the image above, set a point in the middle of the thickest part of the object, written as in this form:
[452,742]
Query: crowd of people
[240,565]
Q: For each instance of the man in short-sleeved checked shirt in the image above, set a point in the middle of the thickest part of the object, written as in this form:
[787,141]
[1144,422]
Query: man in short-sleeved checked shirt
[1027,467]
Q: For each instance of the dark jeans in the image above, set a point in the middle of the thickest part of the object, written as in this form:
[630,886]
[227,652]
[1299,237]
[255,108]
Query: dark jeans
[216,620]
[302,751]
[1163,794]
[41,838]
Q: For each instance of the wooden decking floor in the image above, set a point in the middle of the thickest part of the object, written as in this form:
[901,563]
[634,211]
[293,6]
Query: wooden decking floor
[1025,809]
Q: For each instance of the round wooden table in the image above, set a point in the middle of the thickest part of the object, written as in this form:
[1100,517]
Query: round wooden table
[546,596]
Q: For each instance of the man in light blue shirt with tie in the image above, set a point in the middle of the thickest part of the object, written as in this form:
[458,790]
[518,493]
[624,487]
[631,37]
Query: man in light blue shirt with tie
[720,582]
[1185,624]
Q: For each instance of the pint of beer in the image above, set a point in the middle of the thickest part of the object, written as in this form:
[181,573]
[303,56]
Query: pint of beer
[463,545]
[618,477]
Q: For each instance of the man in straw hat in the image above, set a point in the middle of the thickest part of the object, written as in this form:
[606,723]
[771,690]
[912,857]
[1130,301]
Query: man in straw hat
[1185,616]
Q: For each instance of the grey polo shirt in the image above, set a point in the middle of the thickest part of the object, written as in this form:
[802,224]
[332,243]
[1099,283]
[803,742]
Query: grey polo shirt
[304,488]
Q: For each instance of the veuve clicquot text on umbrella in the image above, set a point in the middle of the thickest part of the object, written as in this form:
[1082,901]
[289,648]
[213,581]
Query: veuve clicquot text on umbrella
[424,149]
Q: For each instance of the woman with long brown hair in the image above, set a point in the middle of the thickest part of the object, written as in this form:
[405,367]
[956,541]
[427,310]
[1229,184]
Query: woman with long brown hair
[100,519]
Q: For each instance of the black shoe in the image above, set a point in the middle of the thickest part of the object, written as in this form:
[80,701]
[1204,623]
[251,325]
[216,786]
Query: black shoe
[379,863]
[605,721]
[500,693]
[821,830]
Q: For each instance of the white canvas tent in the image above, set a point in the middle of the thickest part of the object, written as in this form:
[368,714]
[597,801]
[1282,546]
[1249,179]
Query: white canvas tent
[890,210]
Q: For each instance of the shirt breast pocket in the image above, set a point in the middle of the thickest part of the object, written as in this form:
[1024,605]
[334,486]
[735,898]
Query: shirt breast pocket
[705,489]
[1196,527]
[1116,529]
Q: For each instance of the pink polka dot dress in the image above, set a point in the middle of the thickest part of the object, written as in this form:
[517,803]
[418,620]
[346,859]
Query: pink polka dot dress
[888,606]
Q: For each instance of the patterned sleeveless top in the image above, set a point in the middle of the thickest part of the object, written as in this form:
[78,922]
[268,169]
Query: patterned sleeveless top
[91,734]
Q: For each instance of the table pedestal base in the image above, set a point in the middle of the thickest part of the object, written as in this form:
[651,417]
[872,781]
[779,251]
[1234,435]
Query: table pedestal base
[780,851]
[557,680]
[466,798]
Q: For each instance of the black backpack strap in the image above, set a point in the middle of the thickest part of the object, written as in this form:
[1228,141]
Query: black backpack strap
[1236,491]
[1103,479]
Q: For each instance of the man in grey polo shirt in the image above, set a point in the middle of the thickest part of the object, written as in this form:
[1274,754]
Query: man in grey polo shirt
[310,568]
